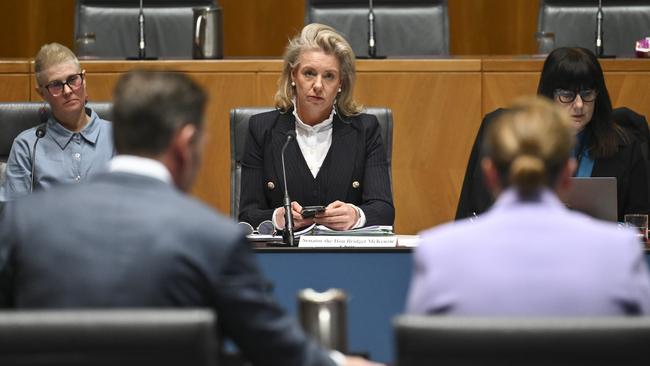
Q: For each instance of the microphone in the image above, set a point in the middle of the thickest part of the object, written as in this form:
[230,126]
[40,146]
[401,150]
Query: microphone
[40,133]
[141,41]
[287,233]
[599,30]
[372,50]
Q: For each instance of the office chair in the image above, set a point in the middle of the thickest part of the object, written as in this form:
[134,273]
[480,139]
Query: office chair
[108,337]
[18,117]
[459,341]
[574,24]
[403,28]
[168,26]
[239,118]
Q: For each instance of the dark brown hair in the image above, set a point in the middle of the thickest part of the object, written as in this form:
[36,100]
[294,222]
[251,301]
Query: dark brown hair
[575,68]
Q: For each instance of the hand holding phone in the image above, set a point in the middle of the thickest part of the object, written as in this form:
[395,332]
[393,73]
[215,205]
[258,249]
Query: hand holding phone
[311,211]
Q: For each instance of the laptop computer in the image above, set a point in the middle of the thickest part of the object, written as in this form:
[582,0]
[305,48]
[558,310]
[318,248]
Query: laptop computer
[594,196]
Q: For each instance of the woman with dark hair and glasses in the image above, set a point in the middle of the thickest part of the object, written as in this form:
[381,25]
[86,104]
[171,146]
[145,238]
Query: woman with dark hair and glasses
[72,144]
[608,140]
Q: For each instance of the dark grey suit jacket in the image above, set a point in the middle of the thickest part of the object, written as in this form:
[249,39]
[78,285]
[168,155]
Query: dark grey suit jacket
[356,155]
[124,240]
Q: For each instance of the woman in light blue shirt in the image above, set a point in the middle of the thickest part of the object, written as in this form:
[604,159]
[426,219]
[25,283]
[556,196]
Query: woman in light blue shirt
[74,144]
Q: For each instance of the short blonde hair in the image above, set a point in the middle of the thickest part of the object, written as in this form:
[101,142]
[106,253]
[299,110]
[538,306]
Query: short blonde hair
[529,144]
[319,37]
[52,54]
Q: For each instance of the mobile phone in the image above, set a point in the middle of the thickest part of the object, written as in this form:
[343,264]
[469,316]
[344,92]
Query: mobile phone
[311,211]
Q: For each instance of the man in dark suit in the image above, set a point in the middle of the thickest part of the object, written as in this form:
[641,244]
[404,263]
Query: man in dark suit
[131,238]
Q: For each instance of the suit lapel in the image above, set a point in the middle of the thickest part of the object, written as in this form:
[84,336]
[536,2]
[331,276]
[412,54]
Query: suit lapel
[340,161]
[292,156]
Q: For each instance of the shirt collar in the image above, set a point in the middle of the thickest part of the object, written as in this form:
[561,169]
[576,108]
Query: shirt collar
[62,135]
[510,197]
[141,166]
[322,126]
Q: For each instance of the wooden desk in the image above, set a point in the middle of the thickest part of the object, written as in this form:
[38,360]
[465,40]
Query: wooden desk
[437,107]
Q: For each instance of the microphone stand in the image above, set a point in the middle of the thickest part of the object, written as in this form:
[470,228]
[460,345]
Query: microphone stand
[40,132]
[141,41]
[287,233]
[599,30]
[372,50]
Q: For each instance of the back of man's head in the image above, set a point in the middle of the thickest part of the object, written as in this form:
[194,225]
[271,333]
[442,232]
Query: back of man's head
[150,106]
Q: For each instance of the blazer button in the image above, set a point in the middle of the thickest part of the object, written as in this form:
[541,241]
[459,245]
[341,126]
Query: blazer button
[270,186]
[356,184]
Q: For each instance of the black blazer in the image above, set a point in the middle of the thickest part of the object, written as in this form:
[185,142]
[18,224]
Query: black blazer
[355,169]
[628,165]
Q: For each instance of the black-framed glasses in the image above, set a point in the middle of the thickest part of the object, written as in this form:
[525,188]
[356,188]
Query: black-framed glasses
[568,96]
[264,228]
[73,82]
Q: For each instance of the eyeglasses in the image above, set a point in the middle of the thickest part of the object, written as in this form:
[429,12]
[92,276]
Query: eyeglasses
[73,82]
[568,96]
[264,228]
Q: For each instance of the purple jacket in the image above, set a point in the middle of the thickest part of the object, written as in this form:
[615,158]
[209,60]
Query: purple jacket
[530,258]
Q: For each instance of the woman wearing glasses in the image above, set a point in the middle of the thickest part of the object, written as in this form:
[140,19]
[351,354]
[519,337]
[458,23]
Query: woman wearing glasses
[74,144]
[608,140]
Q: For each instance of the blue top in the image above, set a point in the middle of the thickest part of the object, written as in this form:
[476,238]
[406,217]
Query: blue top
[62,156]
[581,153]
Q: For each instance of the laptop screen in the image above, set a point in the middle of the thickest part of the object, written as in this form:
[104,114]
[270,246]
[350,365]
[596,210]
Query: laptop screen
[594,196]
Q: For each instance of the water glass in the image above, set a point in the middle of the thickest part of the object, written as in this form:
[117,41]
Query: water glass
[640,222]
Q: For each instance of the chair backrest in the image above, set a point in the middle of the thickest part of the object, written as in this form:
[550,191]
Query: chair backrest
[18,117]
[574,24]
[438,340]
[402,27]
[239,118]
[168,26]
[108,337]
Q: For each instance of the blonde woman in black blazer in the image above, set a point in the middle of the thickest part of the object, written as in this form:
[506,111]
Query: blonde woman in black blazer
[337,160]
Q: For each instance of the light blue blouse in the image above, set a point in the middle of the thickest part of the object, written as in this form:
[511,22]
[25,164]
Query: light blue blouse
[62,156]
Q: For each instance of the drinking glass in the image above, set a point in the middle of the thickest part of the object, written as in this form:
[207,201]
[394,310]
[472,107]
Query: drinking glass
[640,222]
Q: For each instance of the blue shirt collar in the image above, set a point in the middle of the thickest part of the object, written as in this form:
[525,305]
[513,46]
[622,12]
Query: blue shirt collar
[62,135]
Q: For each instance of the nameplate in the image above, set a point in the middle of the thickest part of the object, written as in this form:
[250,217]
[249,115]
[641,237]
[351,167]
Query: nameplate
[317,241]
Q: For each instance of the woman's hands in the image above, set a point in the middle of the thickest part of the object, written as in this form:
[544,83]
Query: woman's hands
[298,221]
[337,216]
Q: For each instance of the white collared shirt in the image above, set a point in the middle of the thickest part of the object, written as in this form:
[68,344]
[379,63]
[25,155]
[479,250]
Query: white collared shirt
[141,166]
[314,141]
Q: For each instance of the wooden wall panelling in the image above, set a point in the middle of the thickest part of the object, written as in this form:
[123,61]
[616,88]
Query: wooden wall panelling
[14,30]
[260,27]
[632,90]
[491,27]
[434,113]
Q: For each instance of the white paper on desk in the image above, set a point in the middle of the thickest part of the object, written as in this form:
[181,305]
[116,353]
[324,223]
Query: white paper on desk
[376,230]
[326,241]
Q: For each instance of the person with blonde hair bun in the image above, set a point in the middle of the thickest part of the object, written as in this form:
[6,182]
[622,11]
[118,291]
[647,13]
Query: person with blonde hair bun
[529,255]
[338,159]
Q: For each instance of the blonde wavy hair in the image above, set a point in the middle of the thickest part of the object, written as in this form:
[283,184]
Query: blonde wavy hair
[319,37]
[52,54]
[529,144]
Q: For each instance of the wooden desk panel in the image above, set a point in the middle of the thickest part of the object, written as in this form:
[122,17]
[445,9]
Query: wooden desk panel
[437,107]
[505,79]
[433,112]
[14,80]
